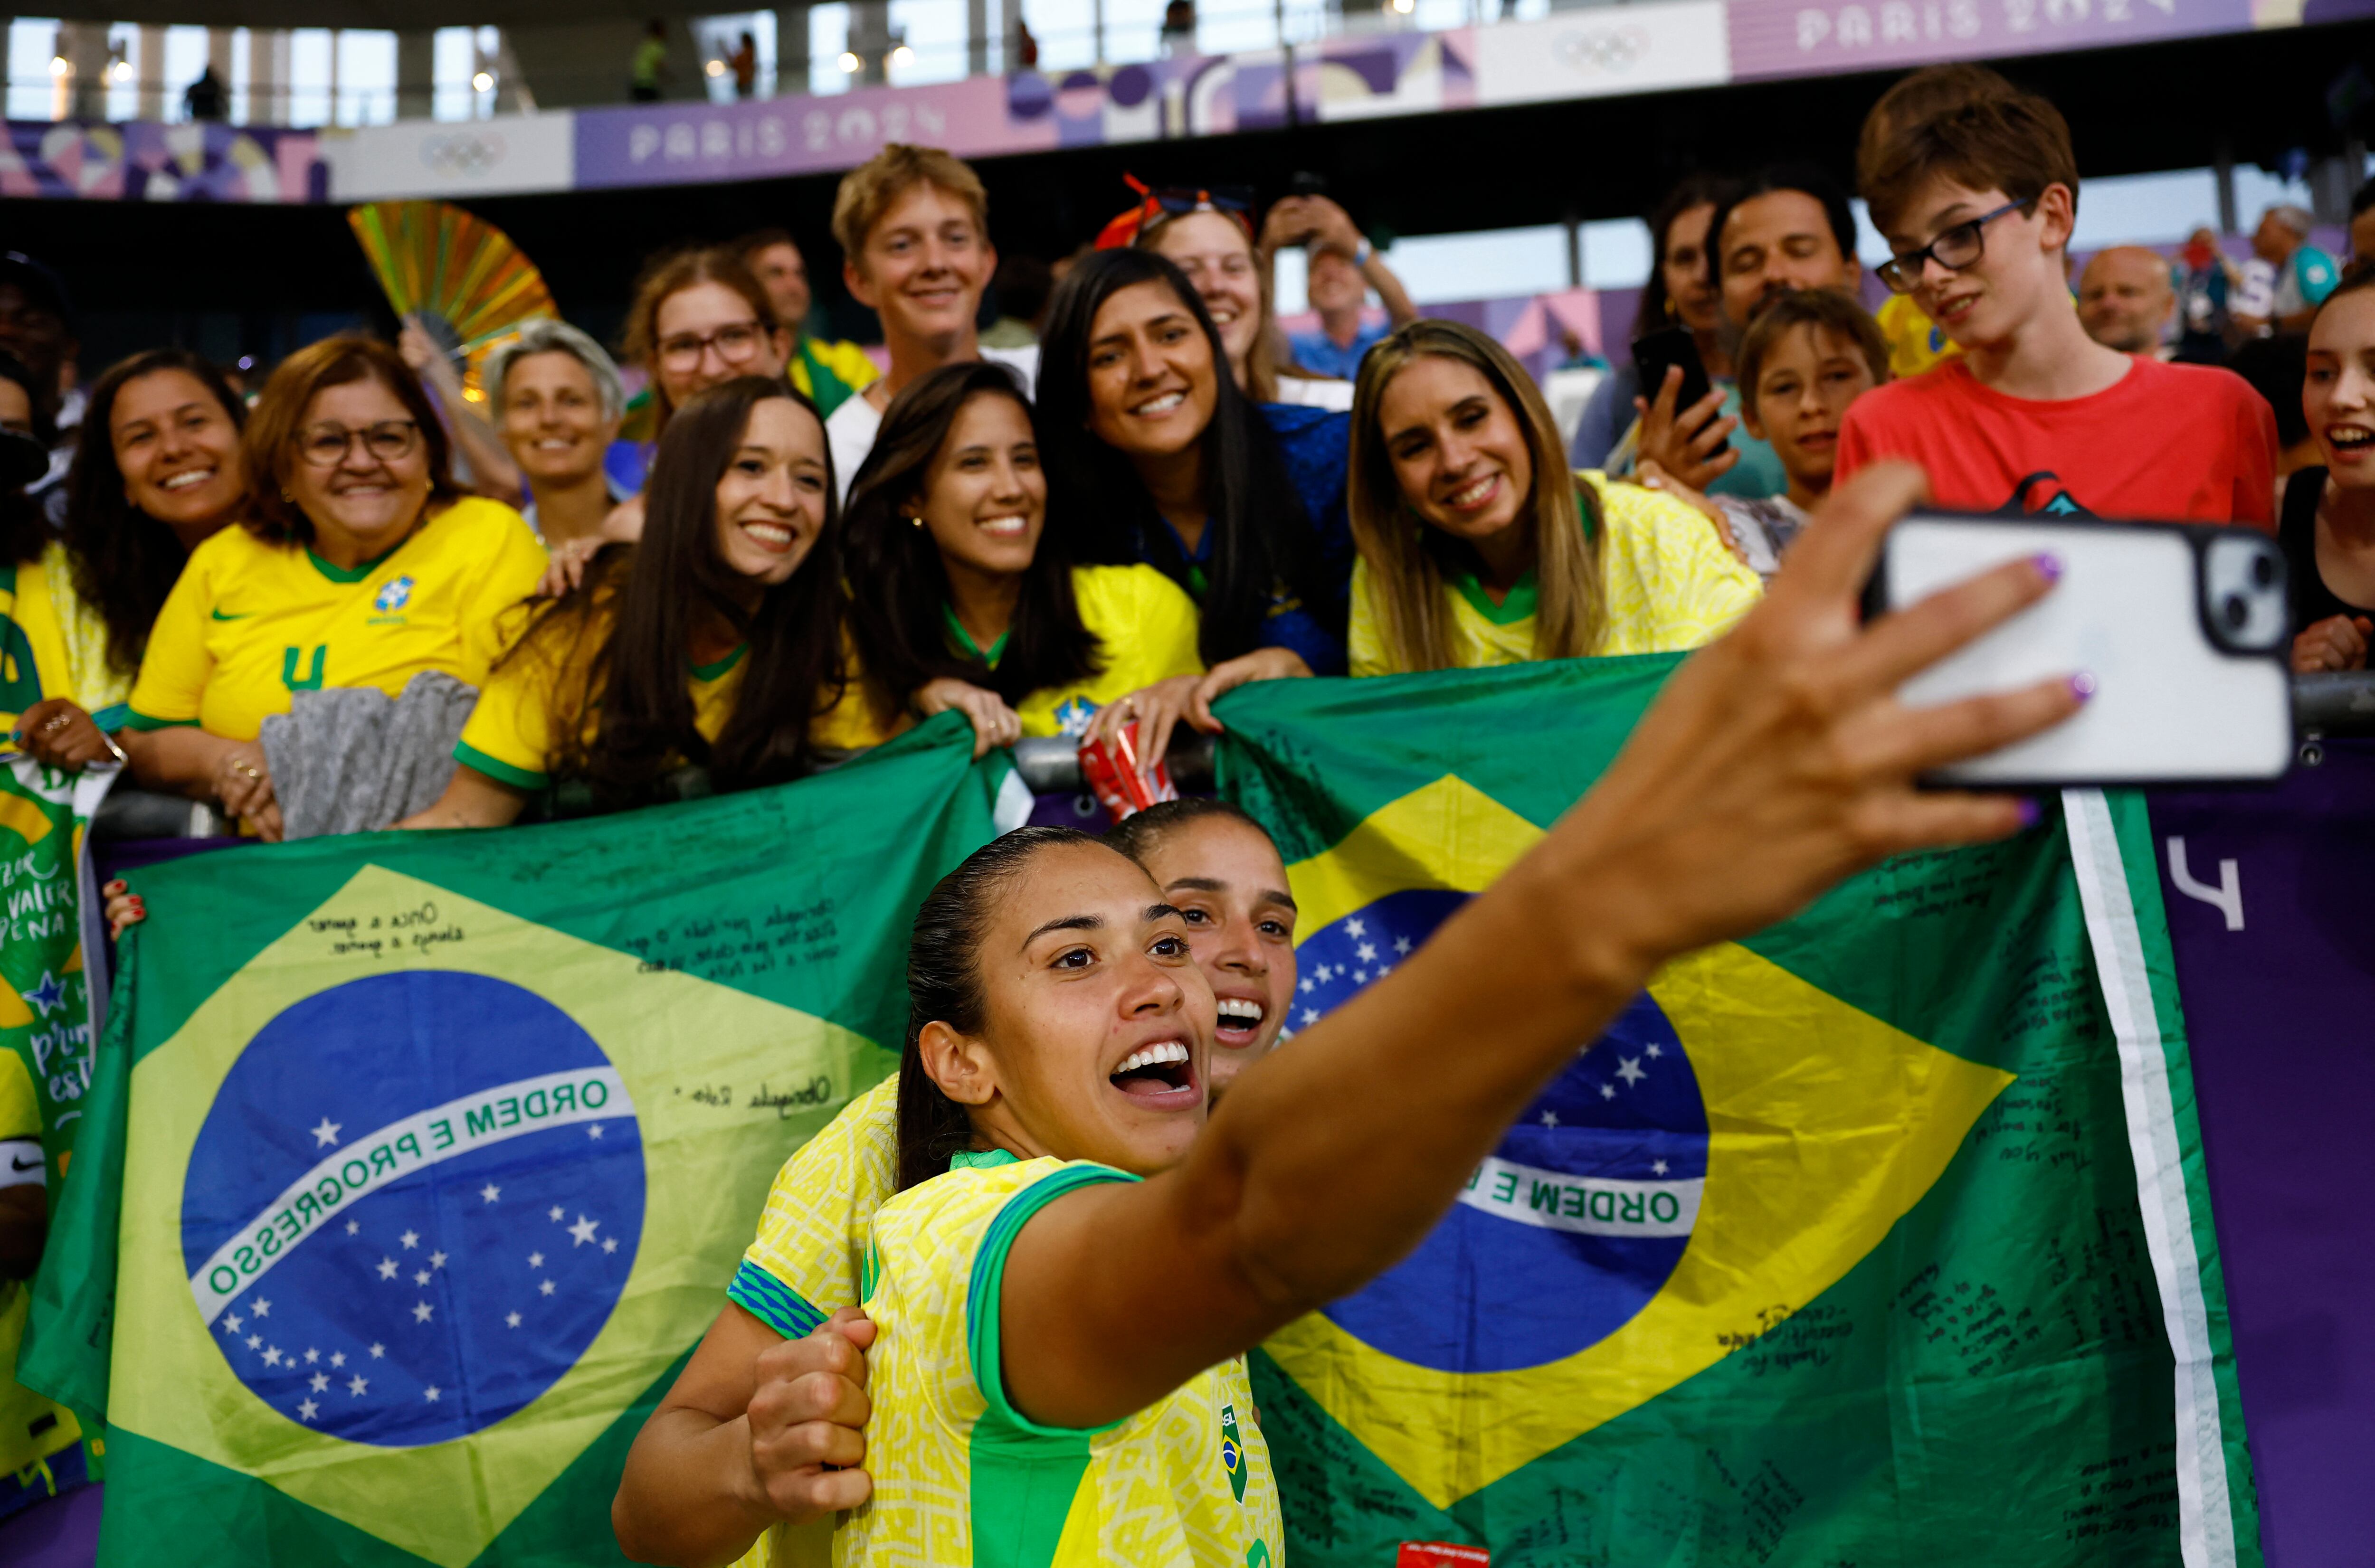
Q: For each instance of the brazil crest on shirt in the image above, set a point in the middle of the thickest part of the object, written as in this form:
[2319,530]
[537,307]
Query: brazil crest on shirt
[1830,1251]
[436,1151]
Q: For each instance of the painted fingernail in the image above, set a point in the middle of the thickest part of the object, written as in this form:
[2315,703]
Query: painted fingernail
[2047,564]
[2082,685]
[2031,812]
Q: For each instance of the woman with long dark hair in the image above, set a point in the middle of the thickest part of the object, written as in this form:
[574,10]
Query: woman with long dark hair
[1680,293]
[1160,458]
[712,642]
[961,597]
[158,473]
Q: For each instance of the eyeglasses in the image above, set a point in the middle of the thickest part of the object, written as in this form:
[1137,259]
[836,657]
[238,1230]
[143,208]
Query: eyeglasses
[326,446]
[1955,249]
[734,343]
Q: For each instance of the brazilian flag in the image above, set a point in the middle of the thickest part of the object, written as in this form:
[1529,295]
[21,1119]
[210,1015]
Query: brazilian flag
[1877,1238]
[417,1164]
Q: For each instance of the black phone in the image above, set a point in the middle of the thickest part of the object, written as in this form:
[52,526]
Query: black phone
[1673,345]
[1303,182]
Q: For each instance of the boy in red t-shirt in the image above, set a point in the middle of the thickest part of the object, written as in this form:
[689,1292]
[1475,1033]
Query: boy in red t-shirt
[1976,189]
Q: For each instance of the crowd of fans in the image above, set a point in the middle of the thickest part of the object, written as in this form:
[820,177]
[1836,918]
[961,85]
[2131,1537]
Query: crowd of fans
[1149,495]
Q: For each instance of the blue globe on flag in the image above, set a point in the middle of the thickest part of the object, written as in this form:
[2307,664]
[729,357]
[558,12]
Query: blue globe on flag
[1574,1223]
[414,1203]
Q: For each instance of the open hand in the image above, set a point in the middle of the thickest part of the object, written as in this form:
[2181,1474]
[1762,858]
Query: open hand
[1684,443]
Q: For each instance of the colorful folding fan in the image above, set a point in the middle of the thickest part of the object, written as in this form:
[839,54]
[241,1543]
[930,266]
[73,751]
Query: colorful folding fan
[471,286]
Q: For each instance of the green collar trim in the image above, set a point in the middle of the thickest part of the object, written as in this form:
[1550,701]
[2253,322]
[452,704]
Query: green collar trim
[981,1159]
[964,640]
[714,671]
[1518,606]
[354,574]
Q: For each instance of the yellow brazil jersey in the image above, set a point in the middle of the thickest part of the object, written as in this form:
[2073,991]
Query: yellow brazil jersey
[961,1477]
[804,1266]
[1145,625]
[32,1427]
[511,734]
[56,645]
[1671,585]
[250,624]
[1914,341]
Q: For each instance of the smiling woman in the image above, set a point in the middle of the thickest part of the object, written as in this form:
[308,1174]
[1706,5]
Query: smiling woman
[714,642]
[359,563]
[962,598]
[167,477]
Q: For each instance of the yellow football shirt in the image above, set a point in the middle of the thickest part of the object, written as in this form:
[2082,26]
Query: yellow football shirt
[1669,584]
[250,624]
[1915,343]
[1145,625]
[962,1477]
[32,1427]
[35,661]
[805,1263]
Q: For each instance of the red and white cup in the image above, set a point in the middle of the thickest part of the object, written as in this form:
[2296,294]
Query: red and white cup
[1110,768]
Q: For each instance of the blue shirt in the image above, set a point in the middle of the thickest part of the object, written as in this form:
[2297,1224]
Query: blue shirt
[1316,350]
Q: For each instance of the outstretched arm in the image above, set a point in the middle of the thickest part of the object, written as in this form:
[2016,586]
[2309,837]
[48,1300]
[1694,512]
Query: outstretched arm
[1776,762]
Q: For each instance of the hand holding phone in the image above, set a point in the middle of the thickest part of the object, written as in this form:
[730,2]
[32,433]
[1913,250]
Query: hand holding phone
[1682,427]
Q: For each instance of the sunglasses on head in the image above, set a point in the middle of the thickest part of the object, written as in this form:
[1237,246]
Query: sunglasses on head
[1156,205]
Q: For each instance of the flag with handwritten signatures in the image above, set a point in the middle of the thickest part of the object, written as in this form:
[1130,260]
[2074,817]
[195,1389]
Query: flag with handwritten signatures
[1834,1248]
[435,1153]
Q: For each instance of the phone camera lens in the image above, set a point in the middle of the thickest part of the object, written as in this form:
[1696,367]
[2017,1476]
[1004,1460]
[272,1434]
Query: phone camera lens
[2239,612]
[2264,570]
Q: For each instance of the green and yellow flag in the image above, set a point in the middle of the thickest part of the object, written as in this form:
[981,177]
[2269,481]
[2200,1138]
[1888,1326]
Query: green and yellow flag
[421,1160]
[1831,1251]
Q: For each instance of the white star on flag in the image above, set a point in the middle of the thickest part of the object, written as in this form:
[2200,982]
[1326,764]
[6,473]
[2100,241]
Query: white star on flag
[1360,977]
[545,1289]
[583,1230]
[1325,974]
[423,1312]
[430,1393]
[1402,945]
[1384,970]
[261,1308]
[411,1238]
[555,1214]
[1657,1167]
[337,1357]
[232,1323]
[326,1135]
[307,1411]
[1356,927]
[1608,1091]
[1310,1017]
[378,1350]
[536,1260]
[1629,1070]
[357,1384]
[1550,1119]
[1304,986]
[609,1243]
[491,1192]
[387,1268]
[312,1355]
[1655,1051]
[436,1260]
[271,1355]
[593,1129]
[319,1381]
[1366,952]
[253,1340]
[353,1226]
[421,1275]
[511,1320]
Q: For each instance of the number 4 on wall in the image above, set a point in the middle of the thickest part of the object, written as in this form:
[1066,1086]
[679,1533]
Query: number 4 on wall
[2226,897]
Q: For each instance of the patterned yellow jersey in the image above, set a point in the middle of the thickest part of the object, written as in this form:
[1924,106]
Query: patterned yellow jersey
[32,1427]
[1914,341]
[1144,623]
[961,1477]
[34,660]
[512,733]
[804,1266]
[250,624]
[1670,582]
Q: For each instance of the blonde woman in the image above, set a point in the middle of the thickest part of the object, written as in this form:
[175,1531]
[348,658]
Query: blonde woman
[1478,547]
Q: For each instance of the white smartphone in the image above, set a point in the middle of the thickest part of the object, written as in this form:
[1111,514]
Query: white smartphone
[2185,630]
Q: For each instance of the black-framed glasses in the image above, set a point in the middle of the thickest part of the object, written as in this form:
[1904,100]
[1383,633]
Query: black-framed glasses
[1955,249]
[326,446]
[735,345]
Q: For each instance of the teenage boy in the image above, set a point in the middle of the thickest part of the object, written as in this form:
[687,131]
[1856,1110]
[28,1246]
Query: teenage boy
[826,371]
[1977,200]
[1789,228]
[914,227]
